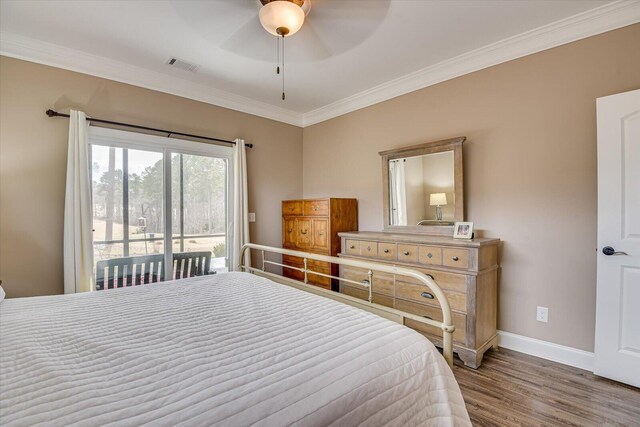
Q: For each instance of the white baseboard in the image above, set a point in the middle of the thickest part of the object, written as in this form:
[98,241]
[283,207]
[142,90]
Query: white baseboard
[547,350]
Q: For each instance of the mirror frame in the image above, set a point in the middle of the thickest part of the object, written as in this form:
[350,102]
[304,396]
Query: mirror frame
[453,144]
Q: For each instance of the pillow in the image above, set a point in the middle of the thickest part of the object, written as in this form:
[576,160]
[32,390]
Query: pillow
[2,294]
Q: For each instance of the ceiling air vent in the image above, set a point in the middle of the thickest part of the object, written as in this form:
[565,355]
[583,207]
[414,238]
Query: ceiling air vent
[183,65]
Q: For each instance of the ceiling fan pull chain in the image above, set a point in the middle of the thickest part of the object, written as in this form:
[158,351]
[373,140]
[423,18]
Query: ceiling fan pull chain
[278,55]
[283,67]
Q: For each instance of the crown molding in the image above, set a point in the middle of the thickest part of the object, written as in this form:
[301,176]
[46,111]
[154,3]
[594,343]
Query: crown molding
[595,21]
[28,49]
[605,18]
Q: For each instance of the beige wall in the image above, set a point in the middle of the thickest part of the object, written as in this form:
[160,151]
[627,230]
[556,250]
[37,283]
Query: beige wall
[33,160]
[530,168]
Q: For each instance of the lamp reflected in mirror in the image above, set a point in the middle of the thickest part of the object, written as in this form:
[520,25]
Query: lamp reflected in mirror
[438,200]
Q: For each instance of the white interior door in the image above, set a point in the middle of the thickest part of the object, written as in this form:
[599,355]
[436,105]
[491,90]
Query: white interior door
[617,347]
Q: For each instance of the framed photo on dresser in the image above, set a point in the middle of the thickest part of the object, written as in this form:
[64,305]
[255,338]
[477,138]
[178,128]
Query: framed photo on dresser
[463,230]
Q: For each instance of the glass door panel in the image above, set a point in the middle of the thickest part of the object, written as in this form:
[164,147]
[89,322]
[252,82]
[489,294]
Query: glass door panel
[128,221]
[199,207]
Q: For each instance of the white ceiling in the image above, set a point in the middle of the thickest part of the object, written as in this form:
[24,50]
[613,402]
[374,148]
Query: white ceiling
[345,48]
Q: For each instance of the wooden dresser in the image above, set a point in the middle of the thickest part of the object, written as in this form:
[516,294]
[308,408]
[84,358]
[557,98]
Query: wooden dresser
[313,226]
[466,270]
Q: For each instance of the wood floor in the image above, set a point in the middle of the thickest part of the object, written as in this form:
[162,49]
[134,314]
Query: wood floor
[514,389]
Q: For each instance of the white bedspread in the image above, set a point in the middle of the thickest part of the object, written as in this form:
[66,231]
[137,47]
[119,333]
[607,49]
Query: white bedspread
[230,349]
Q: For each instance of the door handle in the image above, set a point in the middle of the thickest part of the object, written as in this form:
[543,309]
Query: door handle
[608,251]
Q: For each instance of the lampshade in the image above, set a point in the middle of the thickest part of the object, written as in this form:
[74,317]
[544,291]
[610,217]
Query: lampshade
[438,199]
[281,14]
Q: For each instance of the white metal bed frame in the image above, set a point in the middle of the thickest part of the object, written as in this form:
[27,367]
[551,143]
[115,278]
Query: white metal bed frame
[398,316]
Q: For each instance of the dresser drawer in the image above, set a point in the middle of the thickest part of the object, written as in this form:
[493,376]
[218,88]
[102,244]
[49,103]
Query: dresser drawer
[408,253]
[352,247]
[292,207]
[422,294]
[382,282]
[316,207]
[387,251]
[430,255]
[431,312]
[369,249]
[458,258]
[449,281]
[363,293]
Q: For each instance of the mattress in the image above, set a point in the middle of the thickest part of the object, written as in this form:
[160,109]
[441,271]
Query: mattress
[229,349]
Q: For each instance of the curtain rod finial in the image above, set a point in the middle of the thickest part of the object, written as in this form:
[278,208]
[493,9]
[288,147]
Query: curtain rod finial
[51,113]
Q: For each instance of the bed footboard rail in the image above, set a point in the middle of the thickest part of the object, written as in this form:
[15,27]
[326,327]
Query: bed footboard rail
[446,325]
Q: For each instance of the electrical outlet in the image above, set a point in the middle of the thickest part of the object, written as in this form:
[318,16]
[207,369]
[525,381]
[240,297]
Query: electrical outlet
[542,314]
[252,217]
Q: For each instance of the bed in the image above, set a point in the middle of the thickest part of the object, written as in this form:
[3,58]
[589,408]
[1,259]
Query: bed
[227,349]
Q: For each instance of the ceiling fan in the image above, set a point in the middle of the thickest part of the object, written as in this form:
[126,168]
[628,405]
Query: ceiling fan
[328,29]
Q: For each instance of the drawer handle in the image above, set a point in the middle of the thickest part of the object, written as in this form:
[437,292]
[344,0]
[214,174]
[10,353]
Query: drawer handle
[406,253]
[366,283]
[290,230]
[315,208]
[455,258]
[304,231]
[428,317]
[429,255]
[386,251]
[429,276]
[352,247]
[427,295]
[321,233]
[369,248]
[291,208]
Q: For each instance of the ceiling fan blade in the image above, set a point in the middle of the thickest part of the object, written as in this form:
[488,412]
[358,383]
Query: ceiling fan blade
[349,10]
[252,41]
[215,19]
[307,45]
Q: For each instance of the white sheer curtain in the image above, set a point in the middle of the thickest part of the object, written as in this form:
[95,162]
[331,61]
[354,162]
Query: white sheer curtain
[240,204]
[78,239]
[398,193]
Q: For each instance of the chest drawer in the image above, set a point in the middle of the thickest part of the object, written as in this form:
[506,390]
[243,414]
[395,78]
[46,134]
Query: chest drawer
[292,207]
[408,253]
[387,251]
[458,258]
[312,265]
[289,231]
[430,255]
[316,207]
[321,233]
[423,295]
[304,232]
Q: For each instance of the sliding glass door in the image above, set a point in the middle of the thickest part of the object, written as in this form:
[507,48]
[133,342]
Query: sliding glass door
[159,203]
[199,206]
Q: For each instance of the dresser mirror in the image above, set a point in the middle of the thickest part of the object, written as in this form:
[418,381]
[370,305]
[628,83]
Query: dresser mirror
[422,186]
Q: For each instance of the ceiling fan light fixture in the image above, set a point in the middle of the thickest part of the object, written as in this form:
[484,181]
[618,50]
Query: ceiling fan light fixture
[281,17]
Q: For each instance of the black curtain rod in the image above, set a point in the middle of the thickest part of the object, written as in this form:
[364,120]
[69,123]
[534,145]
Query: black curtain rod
[52,113]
